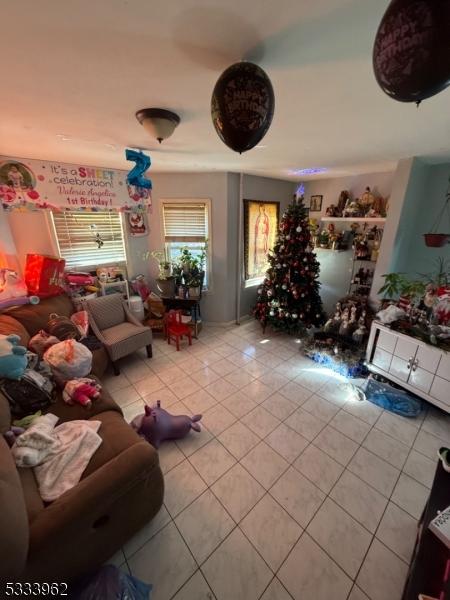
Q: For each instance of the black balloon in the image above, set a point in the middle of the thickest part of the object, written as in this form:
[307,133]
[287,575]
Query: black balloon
[411,55]
[242,106]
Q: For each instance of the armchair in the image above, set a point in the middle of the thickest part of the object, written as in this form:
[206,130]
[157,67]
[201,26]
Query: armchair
[117,328]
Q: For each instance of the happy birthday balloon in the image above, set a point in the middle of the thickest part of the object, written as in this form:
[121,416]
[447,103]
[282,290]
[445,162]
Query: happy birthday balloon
[242,106]
[136,176]
[411,55]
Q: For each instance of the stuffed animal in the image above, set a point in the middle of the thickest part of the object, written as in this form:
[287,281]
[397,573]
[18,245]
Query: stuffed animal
[81,391]
[12,435]
[157,425]
[34,445]
[13,360]
[13,290]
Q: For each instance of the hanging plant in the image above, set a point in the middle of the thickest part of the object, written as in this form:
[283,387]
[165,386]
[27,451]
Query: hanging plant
[435,239]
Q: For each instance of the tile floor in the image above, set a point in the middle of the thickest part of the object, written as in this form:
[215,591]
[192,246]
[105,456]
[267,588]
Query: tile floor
[293,489]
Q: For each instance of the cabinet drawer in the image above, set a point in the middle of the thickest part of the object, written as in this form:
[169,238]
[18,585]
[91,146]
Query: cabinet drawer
[399,368]
[405,349]
[421,379]
[428,359]
[441,390]
[386,341]
[382,359]
[444,367]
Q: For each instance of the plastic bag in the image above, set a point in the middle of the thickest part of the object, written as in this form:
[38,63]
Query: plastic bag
[109,583]
[69,359]
[41,342]
[81,320]
[397,401]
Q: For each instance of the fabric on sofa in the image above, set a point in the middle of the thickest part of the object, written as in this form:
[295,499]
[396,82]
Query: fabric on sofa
[13,516]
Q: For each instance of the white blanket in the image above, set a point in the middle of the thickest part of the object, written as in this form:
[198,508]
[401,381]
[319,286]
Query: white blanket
[62,471]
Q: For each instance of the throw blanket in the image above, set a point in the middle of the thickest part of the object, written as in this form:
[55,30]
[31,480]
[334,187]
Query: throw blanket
[62,471]
[59,454]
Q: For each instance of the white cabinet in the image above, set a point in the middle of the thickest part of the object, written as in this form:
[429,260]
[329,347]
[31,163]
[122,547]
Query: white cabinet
[413,364]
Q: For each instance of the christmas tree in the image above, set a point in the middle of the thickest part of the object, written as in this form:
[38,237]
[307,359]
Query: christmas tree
[289,297]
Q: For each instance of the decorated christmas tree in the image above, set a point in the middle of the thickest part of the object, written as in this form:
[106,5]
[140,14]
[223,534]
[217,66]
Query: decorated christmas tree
[289,297]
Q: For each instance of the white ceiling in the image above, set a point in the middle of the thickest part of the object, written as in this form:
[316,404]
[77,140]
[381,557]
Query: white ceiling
[79,69]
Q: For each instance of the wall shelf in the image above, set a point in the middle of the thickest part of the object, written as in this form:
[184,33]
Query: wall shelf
[375,220]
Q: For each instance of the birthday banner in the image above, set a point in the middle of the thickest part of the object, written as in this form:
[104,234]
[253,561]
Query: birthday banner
[27,184]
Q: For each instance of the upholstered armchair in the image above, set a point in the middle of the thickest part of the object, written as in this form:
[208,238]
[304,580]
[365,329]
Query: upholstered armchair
[117,328]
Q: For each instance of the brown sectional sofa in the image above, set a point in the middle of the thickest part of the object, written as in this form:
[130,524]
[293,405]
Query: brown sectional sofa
[121,489]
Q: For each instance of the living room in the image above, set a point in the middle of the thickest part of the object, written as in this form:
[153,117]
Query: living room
[224,366]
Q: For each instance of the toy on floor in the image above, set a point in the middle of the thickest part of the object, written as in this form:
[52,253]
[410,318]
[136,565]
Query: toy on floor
[81,391]
[13,360]
[157,425]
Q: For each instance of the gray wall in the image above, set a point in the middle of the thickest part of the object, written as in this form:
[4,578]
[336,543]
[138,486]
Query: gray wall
[261,188]
[336,267]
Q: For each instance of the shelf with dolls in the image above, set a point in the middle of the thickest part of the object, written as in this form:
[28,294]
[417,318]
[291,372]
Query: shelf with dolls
[371,220]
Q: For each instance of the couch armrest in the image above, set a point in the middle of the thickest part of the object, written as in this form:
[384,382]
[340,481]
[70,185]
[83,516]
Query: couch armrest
[95,328]
[88,502]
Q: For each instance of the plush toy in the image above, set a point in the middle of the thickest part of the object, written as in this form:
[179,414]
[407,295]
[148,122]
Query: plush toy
[81,391]
[34,445]
[157,425]
[69,360]
[12,435]
[13,360]
[13,290]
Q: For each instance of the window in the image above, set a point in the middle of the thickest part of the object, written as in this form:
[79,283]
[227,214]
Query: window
[186,224]
[76,234]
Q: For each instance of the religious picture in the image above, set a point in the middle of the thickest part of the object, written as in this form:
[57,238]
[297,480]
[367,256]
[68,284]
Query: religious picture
[260,230]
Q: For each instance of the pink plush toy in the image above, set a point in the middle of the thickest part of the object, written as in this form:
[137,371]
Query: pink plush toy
[157,425]
[81,391]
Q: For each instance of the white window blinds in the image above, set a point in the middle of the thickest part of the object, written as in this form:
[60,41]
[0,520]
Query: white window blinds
[185,222]
[76,235]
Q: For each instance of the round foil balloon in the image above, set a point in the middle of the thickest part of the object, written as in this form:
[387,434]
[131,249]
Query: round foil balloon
[242,106]
[411,55]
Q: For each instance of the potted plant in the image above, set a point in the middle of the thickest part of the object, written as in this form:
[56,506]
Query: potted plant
[165,282]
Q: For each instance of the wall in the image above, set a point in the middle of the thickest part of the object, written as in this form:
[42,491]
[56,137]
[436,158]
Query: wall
[336,267]
[31,233]
[330,189]
[8,252]
[260,188]
[423,201]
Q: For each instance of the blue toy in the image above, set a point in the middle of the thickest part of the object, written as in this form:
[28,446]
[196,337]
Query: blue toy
[13,360]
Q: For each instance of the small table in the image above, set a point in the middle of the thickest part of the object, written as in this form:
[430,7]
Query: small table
[189,304]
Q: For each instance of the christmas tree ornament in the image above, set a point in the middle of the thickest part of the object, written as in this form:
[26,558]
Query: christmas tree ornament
[284,286]
[272,313]
[294,315]
[298,229]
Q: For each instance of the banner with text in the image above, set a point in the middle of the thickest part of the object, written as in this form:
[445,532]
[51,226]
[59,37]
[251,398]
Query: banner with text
[27,184]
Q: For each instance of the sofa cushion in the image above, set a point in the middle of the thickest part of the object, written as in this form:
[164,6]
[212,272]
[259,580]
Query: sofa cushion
[33,500]
[13,518]
[117,436]
[9,324]
[34,317]
[122,332]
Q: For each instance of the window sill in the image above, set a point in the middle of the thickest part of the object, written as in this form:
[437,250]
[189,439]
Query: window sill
[253,282]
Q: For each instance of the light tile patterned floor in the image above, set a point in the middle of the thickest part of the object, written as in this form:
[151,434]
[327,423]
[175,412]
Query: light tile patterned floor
[293,489]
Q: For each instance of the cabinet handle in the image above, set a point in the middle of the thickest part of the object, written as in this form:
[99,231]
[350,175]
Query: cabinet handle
[415,364]
[408,366]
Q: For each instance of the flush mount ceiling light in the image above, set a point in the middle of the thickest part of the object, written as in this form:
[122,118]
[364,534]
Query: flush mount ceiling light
[158,122]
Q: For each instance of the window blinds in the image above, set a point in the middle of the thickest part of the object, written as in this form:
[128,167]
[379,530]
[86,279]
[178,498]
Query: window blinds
[76,234]
[185,222]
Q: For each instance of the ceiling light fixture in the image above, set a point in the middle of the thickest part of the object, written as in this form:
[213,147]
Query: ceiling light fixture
[311,171]
[158,122]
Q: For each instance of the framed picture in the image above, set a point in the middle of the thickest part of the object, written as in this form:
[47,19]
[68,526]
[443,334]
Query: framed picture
[315,203]
[260,231]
